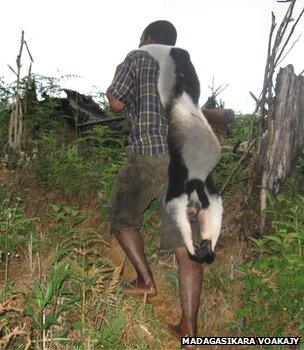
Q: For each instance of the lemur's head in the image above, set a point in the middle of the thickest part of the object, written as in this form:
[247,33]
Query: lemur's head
[159,32]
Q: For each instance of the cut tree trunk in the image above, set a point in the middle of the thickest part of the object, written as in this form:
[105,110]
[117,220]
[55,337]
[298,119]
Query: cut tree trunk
[284,137]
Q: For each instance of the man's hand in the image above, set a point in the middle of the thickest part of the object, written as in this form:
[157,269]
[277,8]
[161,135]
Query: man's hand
[115,105]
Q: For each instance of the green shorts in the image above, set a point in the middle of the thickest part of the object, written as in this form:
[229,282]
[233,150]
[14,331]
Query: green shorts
[139,181]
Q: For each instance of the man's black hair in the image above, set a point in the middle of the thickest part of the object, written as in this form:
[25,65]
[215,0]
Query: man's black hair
[163,32]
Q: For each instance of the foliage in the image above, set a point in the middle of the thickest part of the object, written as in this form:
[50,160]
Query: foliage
[16,231]
[274,283]
[230,155]
[217,278]
[50,302]
[70,169]
[75,301]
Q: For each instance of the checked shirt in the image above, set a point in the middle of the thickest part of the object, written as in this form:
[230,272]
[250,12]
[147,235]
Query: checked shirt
[136,86]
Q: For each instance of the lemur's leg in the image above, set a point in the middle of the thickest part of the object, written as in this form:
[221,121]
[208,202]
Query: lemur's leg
[215,217]
[204,250]
[177,197]
[210,220]
[177,209]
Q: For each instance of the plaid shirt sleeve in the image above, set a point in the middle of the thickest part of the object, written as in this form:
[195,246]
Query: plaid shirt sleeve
[122,86]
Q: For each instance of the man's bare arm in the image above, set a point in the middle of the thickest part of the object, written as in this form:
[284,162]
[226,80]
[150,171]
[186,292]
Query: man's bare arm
[115,104]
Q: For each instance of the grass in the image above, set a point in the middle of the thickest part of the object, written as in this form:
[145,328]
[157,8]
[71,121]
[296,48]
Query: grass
[72,294]
[68,293]
[273,296]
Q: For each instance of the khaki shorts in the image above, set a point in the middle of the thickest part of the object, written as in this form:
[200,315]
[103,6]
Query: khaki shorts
[139,181]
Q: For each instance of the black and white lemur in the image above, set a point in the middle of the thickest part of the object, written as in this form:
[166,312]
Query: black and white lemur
[194,151]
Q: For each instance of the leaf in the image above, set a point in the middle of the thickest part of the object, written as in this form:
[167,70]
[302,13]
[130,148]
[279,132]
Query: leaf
[56,207]
[275,239]
[50,320]
[257,241]
[49,292]
[38,291]
[28,312]
[78,219]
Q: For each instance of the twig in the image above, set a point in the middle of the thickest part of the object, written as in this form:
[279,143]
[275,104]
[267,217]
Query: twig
[292,46]
[28,51]
[12,70]
[236,168]
[254,97]
[289,36]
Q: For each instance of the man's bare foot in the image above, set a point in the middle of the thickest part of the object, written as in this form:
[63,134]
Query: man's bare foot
[137,287]
[178,332]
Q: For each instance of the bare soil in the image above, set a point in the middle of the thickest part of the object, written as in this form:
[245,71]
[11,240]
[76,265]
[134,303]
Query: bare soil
[218,305]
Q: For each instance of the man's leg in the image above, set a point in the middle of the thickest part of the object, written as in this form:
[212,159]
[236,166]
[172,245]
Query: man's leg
[132,243]
[190,287]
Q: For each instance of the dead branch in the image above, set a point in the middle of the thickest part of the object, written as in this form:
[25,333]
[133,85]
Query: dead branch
[254,97]
[289,36]
[12,70]
[290,49]
[17,125]
[28,51]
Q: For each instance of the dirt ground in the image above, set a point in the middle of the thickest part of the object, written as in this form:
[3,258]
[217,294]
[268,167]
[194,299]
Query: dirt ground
[216,310]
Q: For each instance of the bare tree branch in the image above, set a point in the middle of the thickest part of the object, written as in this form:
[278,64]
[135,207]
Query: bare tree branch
[291,47]
[28,51]
[289,36]
[12,70]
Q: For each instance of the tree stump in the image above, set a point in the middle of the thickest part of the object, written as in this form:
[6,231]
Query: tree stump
[284,137]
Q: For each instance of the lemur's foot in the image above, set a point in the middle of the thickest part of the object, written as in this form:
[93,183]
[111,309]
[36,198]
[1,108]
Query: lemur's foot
[203,252]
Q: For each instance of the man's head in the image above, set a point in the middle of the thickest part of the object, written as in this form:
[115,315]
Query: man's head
[159,32]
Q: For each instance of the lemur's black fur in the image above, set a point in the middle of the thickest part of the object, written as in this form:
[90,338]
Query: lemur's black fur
[187,80]
[194,151]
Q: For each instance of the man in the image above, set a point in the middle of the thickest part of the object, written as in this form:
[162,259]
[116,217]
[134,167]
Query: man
[144,175]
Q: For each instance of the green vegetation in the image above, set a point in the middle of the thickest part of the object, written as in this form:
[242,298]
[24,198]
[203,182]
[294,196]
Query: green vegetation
[60,278]
[273,299]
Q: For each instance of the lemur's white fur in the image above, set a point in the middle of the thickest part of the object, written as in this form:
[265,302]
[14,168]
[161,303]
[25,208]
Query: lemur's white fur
[200,151]
[177,208]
